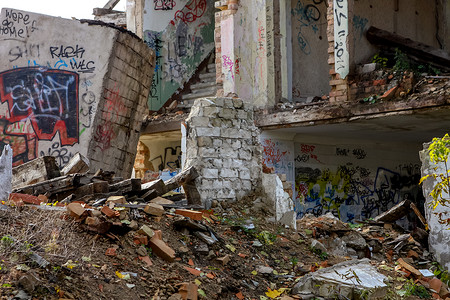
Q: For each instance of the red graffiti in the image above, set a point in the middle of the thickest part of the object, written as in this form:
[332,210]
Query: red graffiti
[113,110]
[309,149]
[236,67]
[271,154]
[195,9]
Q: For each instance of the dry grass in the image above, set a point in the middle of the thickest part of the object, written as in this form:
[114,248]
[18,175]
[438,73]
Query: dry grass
[26,231]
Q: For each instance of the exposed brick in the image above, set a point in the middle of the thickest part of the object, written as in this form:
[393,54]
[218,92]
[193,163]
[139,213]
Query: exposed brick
[160,248]
[194,215]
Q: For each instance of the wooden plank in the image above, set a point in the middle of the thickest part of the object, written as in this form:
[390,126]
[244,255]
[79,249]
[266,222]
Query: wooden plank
[419,51]
[178,180]
[111,4]
[52,186]
[77,164]
[419,215]
[38,170]
[157,185]
[398,211]
[128,185]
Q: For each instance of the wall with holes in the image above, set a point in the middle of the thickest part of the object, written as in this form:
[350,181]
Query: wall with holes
[353,179]
[60,93]
[182,35]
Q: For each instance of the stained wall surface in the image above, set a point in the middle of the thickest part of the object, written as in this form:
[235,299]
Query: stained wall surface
[182,37]
[62,93]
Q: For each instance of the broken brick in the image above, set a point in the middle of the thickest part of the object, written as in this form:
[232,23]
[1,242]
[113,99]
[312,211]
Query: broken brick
[188,291]
[147,260]
[224,260]
[110,213]
[92,221]
[19,199]
[140,239]
[145,230]
[193,271]
[160,248]
[194,215]
[154,209]
[413,254]
[409,268]
[116,200]
[435,285]
[111,252]
[75,210]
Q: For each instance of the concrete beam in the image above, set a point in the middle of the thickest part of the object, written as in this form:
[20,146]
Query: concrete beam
[335,113]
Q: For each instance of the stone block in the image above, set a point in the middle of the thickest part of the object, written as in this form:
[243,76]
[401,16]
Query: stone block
[154,209]
[211,111]
[244,174]
[231,133]
[208,152]
[201,131]
[227,173]
[245,155]
[227,113]
[238,103]
[200,121]
[210,173]
[204,141]
[217,143]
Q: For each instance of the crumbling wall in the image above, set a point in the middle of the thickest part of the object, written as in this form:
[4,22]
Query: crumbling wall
[68,87]
[355,180]
[439,236]
[223,145]
[182,38]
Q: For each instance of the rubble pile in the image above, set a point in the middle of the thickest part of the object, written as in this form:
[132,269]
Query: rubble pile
[80,236]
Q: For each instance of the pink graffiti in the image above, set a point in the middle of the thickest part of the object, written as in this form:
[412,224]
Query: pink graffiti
[228,64]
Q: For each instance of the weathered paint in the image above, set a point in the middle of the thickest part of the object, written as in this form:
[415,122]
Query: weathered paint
[186,41]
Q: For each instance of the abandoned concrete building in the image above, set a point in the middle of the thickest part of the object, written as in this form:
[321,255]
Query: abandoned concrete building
[335,117]
[337,97]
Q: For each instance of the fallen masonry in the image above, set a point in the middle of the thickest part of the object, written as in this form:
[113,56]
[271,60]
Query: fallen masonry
[80,236]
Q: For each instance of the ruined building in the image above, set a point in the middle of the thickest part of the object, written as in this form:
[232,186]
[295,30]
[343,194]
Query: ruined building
[340,112]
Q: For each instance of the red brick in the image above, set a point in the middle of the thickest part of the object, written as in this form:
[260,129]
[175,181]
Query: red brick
[111,252]
[194,215]
[19,199]
[390,93]
[75,210]
[110,213]
[147,260]
[160,248]
[379,82]
[140,239]
[193,271]
[188,291]
[435,284]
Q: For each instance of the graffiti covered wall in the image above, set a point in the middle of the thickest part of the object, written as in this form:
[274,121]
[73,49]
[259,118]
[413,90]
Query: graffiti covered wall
[353,181]
[59,91]
[186,40]
[309,48]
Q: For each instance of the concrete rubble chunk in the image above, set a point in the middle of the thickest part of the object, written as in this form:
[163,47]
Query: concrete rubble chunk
[355,240]
[146,231]
[161,201]
[154,209]
[347,279]
[77,164]
[318,245]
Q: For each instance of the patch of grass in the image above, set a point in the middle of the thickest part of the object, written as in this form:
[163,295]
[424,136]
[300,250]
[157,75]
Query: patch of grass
[412,289]
[321,254]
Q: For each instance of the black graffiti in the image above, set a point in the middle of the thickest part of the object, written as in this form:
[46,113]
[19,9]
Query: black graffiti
[164,4]
[67,51]
[13,18]
[359,153]
[23,51]
[61,154]
[82,66]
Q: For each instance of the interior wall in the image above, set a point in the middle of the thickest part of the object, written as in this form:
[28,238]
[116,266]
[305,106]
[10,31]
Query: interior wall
[309,48]
[355,179]
[164,151]
[414,19]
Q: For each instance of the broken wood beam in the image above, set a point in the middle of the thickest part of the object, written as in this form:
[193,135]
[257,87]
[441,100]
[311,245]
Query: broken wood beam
[157,185]
[127,185]
[417,50]
[178,180]
[38,170]
[52,186]
[419,215]
[396,212]
[77,164]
